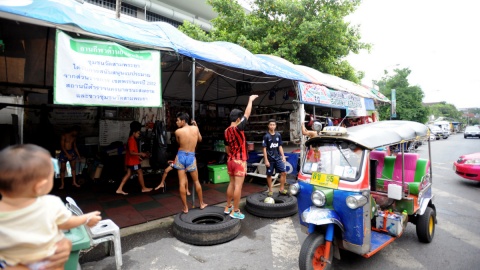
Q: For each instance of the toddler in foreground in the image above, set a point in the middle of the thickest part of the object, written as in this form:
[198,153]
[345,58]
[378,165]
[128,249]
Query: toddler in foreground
[31,221]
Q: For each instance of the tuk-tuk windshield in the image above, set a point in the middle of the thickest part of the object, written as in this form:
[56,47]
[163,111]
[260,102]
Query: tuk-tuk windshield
[338,158]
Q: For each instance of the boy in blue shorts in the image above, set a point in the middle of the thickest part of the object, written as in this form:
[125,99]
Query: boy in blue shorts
[187,137]
[274,157]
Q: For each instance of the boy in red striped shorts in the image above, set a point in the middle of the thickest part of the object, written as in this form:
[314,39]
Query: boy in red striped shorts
[237,157]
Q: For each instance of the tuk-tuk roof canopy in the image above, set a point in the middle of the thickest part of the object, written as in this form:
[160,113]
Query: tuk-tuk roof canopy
[382,133]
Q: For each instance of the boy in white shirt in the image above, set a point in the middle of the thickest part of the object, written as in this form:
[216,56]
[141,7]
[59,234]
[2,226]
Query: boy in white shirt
[31,222]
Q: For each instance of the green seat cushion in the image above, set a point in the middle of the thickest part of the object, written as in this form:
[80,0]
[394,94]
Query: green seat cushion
[413,188]
[421,170]
[388,166]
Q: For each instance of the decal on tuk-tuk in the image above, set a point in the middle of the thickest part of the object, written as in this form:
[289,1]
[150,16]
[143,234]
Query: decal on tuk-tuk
[325,180]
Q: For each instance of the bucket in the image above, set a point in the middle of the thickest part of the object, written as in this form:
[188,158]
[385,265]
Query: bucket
[250,146]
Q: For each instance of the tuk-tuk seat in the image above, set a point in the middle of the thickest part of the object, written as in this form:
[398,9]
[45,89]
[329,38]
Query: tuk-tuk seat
[410,166]
[387,172]
[380,157]
[421,170]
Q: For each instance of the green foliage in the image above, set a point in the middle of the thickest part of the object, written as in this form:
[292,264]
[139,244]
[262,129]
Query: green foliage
[444,109]
[194,31]
[409,98]
[306,32]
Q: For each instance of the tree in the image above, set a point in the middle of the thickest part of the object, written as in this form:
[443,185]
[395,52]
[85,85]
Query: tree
[408,98]
[305,32]
[443,109]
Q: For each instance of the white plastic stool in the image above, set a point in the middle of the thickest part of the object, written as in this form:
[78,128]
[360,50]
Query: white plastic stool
[105,231]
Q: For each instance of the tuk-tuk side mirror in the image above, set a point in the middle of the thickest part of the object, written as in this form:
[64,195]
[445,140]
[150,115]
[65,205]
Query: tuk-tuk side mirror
[394,192]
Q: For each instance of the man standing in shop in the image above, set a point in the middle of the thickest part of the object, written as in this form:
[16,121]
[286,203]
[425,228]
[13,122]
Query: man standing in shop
[274,157]
[187,137]
[237,157]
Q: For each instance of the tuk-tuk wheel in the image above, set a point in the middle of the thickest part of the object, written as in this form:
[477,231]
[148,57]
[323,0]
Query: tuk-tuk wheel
[426,225]
[312,253]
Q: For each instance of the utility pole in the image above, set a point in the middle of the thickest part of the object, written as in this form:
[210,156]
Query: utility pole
[118,7]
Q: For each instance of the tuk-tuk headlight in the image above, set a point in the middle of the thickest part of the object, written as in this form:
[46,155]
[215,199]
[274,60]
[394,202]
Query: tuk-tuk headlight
[318,198]
[294,189]
[356,201]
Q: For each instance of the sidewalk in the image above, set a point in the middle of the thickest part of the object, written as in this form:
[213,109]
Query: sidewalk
[137,207]
[151,245]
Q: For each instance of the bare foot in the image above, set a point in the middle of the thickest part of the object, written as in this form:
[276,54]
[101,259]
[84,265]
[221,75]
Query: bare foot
[76,185]
[159,186]
[60,187]
[203,205]
[185,210]
[188,193]
[146,189]
[121,192]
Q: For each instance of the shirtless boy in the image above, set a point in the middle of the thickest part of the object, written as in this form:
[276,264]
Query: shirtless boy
[187,137]
[311,133]
[69,153]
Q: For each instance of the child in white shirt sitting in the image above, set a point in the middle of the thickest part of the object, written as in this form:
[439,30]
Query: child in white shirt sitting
[31,222]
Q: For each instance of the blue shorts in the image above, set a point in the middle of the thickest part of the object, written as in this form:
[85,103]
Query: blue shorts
[62,157]
[276,165]
[135,167]
[185,161]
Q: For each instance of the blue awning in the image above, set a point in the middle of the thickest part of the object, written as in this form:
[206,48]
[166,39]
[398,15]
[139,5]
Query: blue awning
[72,16]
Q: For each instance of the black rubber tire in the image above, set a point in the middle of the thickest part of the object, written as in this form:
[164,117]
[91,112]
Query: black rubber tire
[426,225]
[313,242]
[206,227]
[284,206]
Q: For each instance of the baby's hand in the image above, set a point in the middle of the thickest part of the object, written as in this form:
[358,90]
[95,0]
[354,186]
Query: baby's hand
[93,218]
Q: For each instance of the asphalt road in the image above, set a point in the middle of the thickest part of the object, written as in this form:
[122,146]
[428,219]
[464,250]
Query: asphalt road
[275,243]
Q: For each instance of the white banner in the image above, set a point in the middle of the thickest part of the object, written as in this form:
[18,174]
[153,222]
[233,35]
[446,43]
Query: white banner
[90,72]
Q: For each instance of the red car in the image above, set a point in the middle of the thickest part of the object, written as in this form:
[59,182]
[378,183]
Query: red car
[468,166]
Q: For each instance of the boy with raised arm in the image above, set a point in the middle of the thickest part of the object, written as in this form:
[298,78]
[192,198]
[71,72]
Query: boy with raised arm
[237,157]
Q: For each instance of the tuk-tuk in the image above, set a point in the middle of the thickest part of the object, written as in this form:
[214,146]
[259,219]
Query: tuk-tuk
[353,197]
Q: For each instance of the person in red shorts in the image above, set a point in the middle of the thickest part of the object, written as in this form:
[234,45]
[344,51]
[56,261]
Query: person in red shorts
[237,157]
[132,158]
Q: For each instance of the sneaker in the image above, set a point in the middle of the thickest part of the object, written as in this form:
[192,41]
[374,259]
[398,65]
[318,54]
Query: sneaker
[283,192]
[270,194]
[230,208]
[237,214]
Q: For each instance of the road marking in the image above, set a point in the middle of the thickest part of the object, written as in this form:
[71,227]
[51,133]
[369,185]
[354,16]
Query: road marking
[460,233]
[457,199]
[398,256]
[182,250]
[285,244]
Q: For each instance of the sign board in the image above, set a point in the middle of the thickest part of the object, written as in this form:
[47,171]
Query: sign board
[322,96]
[99,73]
[394,104]
[113,130]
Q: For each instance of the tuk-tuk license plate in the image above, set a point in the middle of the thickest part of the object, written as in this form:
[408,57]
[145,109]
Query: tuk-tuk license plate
[325,180]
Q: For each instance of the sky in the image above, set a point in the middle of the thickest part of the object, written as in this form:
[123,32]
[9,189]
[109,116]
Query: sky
[438,40]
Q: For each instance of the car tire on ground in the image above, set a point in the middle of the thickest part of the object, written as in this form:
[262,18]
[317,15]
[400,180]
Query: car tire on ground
[312,253]
[206,227]
[284,206]
[426,225]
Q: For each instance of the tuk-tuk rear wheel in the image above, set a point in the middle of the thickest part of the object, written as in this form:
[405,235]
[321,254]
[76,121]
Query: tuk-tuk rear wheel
[312,253]
[426,226]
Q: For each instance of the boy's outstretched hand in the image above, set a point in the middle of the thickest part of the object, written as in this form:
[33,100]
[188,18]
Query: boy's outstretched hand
[93,218]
